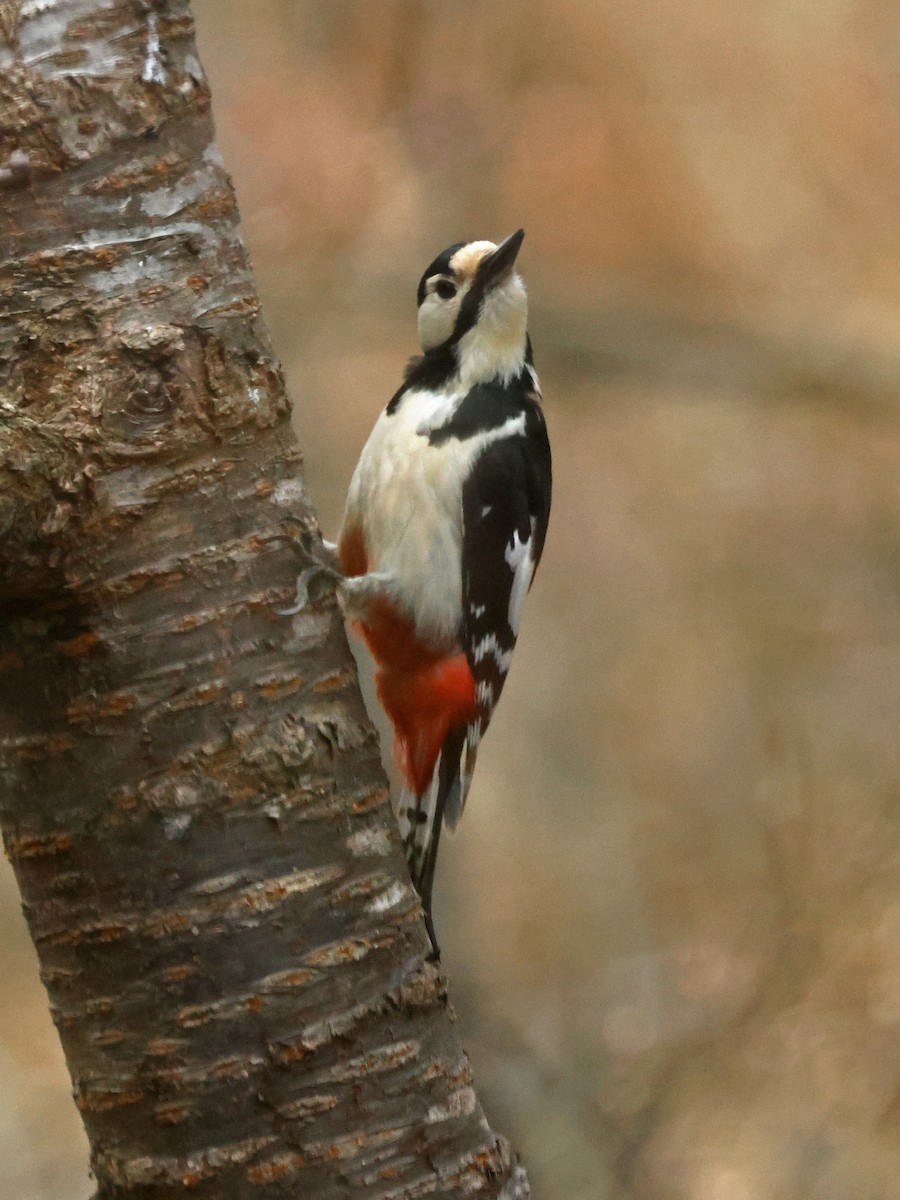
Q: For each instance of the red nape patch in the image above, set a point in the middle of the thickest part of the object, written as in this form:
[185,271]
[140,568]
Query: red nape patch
[423,706]
[352,552]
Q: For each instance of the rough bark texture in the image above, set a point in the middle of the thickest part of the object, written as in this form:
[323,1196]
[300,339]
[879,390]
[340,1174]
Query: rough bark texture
[191,792]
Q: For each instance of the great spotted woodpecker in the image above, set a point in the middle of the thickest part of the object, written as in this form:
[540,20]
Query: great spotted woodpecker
[443,530]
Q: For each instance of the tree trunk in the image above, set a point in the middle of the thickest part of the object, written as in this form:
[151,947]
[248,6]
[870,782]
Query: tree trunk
[191,792]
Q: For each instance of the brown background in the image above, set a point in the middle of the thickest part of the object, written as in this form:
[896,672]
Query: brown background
[672,914]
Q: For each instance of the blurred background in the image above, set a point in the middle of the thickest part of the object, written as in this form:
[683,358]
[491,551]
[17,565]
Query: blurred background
[671,916]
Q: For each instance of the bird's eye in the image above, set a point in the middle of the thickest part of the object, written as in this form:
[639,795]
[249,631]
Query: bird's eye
[445,289]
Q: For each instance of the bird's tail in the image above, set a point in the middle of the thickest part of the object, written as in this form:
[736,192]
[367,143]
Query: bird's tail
[430,708]
[421,818]
[456,796]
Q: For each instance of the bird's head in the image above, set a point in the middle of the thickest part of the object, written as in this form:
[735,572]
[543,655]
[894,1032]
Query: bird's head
[472,301]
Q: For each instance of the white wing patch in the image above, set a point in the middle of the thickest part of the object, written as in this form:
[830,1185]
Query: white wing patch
[520,559]
[490,645]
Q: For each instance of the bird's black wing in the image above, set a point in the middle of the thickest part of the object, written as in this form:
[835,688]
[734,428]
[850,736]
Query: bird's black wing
[506,508]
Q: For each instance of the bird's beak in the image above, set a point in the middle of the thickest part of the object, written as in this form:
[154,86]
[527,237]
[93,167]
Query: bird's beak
[499,263]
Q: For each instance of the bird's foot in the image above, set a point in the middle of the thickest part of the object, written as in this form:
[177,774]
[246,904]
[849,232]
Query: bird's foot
[357,592]
[305,580]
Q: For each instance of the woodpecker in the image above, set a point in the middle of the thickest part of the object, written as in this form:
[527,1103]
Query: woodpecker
[444,527]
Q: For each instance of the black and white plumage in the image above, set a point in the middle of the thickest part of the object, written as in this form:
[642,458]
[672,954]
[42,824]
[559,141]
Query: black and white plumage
[444,528]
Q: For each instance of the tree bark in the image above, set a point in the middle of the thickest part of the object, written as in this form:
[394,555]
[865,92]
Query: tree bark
[190,790]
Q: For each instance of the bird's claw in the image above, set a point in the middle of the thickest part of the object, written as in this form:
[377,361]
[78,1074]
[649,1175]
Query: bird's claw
[304,579]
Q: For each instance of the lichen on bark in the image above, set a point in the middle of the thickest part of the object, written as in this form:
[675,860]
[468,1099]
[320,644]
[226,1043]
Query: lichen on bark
[190,789]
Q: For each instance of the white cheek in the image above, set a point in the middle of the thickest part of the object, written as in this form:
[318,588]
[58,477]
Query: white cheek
[436,321]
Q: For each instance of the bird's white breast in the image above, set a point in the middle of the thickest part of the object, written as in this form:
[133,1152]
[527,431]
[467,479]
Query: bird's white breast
[406,496]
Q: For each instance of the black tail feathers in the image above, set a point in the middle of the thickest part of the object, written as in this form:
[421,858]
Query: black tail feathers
[421,820]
